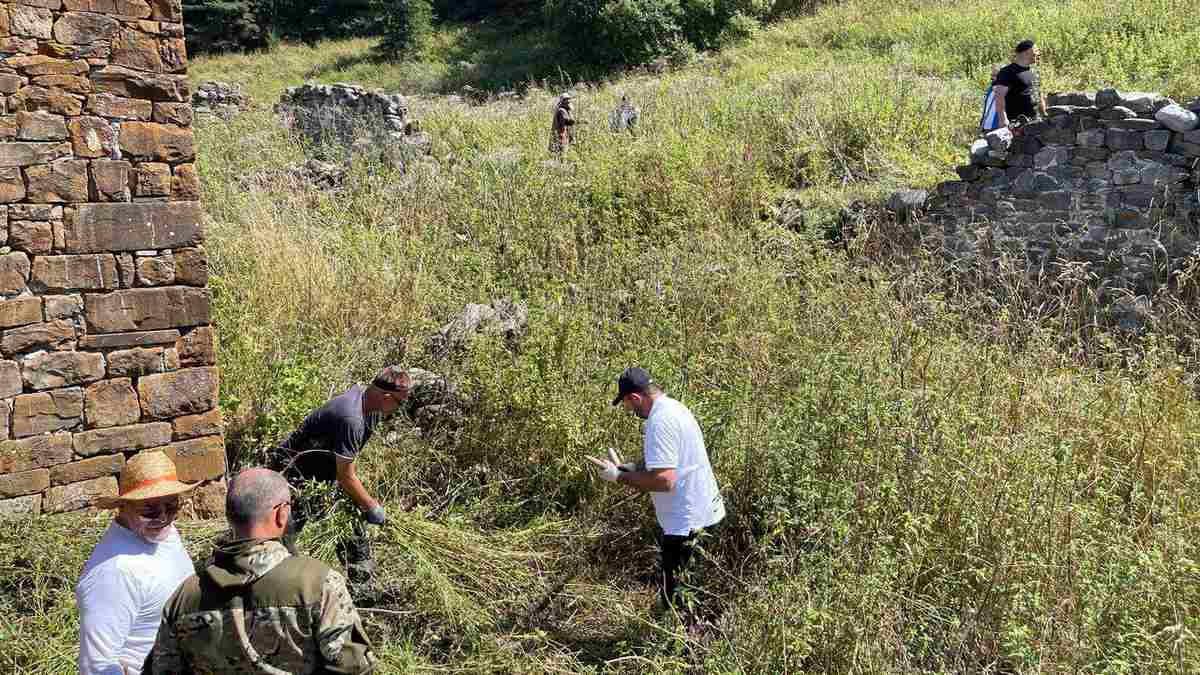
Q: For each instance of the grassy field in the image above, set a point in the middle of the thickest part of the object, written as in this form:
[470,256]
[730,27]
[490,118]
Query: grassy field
[925,471]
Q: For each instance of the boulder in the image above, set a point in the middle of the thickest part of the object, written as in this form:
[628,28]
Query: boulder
[503,317]
[1177,118]
[907,204]
[999,140]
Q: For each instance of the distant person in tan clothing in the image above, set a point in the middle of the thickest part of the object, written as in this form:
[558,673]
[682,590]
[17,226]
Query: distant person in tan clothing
[562,127]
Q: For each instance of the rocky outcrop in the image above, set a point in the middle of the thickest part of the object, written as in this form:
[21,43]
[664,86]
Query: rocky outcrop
[504,317]
[219,98]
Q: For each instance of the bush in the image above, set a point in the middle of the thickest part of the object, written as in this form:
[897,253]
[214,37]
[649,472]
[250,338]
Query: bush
[223,25]
[638,31]
[406,26]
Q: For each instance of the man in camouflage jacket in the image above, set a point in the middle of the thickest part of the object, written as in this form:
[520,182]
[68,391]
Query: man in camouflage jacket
[256,608]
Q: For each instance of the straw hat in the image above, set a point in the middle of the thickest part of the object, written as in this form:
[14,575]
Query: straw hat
[148,475]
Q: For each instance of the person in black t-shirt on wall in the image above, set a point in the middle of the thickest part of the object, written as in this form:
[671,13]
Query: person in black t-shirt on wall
[1018,88]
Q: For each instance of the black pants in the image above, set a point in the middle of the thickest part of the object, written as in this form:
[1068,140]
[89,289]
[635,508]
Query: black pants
[355,552]
[677,550]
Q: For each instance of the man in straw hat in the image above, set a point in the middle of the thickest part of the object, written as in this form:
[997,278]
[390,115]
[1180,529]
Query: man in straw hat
[137,565]
[324,448]
[256,608]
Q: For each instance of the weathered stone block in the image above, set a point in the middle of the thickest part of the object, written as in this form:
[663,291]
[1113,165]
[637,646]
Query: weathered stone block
[173,53]
[134,84]
[183,392]
[35,452]
[63,181]
[74,272]
[92,137]
[110,181]
[185,186]
[14,273]
[35,211]
[96,50]
[44,412]
[1124,139]
[76,496]
[153,141]
[152,179]
[206,501]
[10,84]
[179,114]
[57,101]
[126,269]
[51,370]
[191,267]
[156,270]
[1093,138]
[33,66]
[136,362]
[198,459]
[146,309]
[24,483]
[40,126]
[120,439]
[167,10]
[26,21]
[20,507]
[117,107]
[12,185]
[133,227]
[72,83]
[11,384]
[19,312]
[31,236]
[136,50]
[133,9]
[111,403]
[119,340]
[197,347]
[1057,200]
[88,469]
[76,28]
[194,426]
[30,154]
[62,306]
[49,335]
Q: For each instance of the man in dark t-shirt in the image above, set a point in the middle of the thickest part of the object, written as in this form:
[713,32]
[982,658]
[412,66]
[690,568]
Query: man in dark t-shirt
[1018,87]
[324,448]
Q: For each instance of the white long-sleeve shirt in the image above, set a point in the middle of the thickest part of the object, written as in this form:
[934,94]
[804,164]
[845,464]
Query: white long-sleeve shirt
[124,586]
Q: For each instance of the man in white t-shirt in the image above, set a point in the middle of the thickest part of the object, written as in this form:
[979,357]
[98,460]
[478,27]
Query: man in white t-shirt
[674,470]
[134,569]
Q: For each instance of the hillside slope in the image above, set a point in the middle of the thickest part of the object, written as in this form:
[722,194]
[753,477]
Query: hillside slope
[925,471]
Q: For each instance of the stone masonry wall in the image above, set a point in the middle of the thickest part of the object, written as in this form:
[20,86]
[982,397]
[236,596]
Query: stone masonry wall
[105,347]
[1109,179]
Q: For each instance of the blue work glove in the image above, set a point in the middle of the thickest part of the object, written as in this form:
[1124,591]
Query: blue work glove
[376,515]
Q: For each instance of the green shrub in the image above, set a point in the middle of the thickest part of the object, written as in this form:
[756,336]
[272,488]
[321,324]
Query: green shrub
[406,26]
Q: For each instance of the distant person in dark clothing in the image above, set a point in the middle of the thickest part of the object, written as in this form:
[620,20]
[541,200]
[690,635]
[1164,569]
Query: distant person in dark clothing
[1017,87]
[324,448]
[562,128]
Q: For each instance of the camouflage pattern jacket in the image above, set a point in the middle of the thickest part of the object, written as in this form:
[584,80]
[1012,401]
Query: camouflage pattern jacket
[258,609]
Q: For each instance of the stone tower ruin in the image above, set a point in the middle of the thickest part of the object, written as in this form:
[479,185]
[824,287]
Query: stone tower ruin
[105,343]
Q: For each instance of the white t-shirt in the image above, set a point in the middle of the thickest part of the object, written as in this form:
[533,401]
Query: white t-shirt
[124,586]
[673,441]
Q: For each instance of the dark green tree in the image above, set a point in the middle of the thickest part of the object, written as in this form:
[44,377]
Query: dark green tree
[406,26]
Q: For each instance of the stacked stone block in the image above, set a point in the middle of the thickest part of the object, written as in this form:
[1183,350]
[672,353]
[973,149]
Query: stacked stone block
[105,343]
[1103,180]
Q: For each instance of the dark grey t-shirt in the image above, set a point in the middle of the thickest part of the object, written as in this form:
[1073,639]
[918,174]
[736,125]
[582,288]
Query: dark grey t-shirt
[338,429]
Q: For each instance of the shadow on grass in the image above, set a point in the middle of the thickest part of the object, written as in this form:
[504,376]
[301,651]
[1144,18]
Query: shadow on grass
[490,56]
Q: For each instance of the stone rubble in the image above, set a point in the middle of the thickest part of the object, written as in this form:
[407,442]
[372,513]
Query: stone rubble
[1110,179]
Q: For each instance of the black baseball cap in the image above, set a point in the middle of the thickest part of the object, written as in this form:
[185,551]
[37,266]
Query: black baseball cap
[633,381]
[1024,46]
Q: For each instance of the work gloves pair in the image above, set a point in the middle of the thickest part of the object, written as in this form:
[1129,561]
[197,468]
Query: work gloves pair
[613,466]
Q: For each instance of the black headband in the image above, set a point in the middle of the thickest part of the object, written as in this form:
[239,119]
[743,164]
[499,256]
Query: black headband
[386,385]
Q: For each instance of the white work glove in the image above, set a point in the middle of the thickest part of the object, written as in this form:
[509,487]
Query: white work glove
[611,467]
[623,466]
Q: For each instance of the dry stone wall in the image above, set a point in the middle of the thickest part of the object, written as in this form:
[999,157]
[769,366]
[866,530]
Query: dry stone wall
[1109,179]
[105,343]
